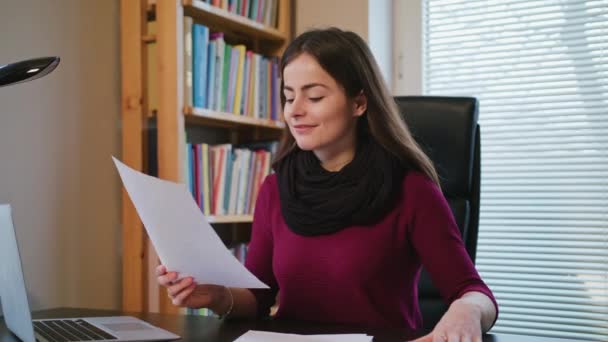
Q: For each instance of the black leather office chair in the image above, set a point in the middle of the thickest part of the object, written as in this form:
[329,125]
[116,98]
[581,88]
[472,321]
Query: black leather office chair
[447,130]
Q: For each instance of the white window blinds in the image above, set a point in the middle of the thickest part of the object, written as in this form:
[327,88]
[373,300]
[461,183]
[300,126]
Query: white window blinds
[540,72]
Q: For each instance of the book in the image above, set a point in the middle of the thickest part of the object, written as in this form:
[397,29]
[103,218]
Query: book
[211,77]
[188,62]
[238,85]
[206,177]
[232,79]
[200,39]
[225,78]
[219,70]
[245,84]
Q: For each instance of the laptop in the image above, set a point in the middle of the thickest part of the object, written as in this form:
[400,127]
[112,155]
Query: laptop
[17,314]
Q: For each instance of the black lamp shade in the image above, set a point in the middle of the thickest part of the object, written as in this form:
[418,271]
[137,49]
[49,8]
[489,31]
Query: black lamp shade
[27,70]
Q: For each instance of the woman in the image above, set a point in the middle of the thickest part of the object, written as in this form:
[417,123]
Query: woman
[353,211]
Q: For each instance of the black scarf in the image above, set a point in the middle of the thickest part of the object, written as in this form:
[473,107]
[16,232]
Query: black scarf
[315,201]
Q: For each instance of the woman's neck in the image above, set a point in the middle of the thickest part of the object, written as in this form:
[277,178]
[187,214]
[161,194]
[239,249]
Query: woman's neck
[335,161]
[337,164]
[341,152]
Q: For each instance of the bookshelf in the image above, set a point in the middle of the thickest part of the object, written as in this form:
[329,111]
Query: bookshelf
[172,117]
[220,119]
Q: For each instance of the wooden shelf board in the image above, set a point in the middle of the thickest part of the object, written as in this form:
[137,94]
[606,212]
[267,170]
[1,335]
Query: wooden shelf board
[149,38]
[220,119]
[215,16]
[230,219]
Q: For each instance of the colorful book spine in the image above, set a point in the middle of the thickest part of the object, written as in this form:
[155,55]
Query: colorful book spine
[205,181]
[253,10]
[197,194]
[238,85]
[211,62]
[188,73]
[243,181]
[226,77]
[224,179]
[228,165]
[232,79]
[201,185]
[219,71]
[262,11]
[245,84]
[190,168]
[200,38]
[234,183]
[261,86]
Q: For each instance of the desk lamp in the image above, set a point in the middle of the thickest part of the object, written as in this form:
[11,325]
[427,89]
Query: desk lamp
[26,70]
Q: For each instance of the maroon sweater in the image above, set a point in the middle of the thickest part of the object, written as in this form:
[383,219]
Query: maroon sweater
[361,275]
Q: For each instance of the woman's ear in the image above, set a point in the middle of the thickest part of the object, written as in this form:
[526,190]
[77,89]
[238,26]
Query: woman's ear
[360,104]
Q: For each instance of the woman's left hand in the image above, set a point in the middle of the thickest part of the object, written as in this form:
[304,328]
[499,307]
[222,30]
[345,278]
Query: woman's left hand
[461,323]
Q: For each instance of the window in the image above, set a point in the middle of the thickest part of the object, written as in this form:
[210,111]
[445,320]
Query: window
[540,72]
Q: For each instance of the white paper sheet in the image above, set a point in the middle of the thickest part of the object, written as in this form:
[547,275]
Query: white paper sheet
[265,336]
[180,233]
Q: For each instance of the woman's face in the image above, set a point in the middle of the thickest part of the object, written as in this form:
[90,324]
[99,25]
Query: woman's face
[317,111]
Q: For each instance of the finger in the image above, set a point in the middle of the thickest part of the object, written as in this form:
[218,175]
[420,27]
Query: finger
[440,337]
[466,338]
[160,270]
[167,279]
[425,338]
[179,286]
[452,337]
[181,298]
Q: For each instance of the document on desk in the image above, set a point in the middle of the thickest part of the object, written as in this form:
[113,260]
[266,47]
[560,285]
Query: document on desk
[180,233]
[265,336]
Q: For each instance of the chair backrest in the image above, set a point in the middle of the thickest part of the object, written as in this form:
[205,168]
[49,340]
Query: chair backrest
[446,128]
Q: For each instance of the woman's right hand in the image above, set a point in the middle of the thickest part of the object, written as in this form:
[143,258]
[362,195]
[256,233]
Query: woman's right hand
[185,292]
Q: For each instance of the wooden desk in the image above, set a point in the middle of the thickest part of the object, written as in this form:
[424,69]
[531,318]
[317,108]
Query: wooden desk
[197,328]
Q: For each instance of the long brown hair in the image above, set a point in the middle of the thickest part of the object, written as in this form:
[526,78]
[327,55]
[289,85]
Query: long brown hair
[348,59]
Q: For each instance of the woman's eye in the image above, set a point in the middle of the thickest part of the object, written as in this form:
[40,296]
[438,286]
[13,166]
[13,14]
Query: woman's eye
[315,99]
[289,100]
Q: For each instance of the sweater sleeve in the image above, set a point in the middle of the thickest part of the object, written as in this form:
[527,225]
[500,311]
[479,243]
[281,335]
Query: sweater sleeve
[437,241]
[260,250]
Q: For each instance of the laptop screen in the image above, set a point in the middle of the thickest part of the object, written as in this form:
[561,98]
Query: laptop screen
[13,295]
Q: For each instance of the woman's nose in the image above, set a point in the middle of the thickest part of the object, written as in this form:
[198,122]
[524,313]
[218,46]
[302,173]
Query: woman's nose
[296,108]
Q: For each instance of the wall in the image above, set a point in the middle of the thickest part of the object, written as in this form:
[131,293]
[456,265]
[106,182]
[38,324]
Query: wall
[380,33]
[396,40]
[57,134]
[407,45]
[345,14]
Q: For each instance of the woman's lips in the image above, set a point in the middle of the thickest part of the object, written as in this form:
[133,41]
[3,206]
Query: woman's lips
[303,129]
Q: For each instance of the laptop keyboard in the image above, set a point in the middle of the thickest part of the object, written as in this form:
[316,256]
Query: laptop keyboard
[63,330]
